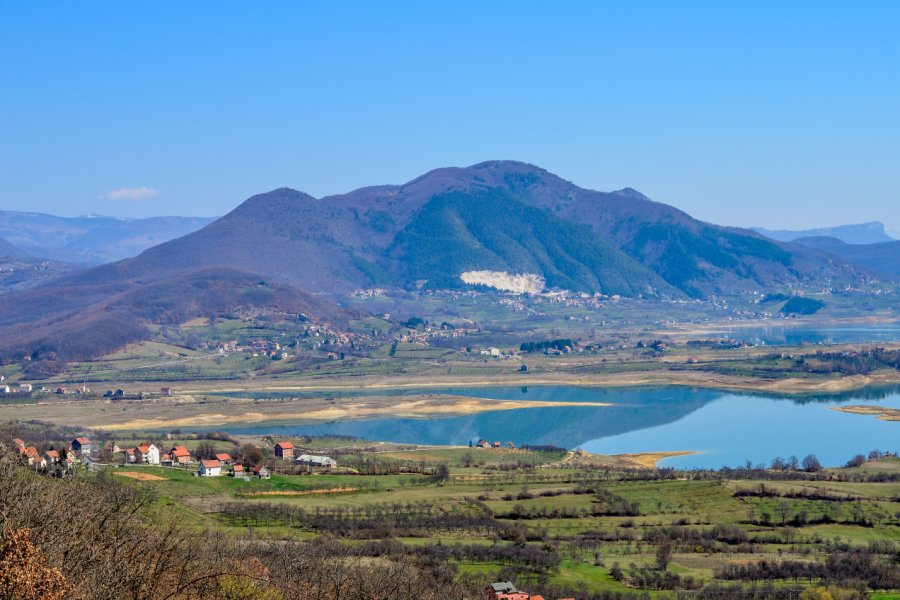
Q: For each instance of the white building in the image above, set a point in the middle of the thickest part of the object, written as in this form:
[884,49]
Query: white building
[311,460]
[210,468]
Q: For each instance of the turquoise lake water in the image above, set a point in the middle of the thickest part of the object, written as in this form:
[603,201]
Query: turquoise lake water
[725,428]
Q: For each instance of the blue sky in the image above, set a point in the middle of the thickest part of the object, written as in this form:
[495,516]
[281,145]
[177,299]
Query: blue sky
[757,113]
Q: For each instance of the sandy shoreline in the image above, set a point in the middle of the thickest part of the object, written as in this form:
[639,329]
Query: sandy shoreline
[189,411]
[881,413]
[695,378]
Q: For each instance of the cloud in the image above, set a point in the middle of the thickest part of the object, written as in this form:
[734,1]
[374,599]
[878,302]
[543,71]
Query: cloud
[126,193]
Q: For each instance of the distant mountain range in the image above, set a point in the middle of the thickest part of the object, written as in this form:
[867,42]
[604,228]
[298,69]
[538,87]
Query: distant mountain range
[91,240]
[19,270]
[496,216]
[881,259]
[863,233]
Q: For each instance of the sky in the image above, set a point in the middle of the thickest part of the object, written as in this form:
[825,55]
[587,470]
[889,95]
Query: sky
[775,114]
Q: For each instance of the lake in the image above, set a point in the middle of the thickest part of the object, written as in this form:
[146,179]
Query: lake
[725,428]
[797,334]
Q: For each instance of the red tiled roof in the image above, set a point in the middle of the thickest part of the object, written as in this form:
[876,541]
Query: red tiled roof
[82,440]
[238,468]
[52,453]
[284,445]
[209,464]
[144,447]
[223,456]
[180,451]
[18,442]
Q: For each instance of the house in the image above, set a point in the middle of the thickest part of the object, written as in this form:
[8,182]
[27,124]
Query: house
[262,472]
[180,455]
[284,450]
[210,468]
[111,447]
[131,455]
[32,457]
[224,458]
[505,590]
[26,387]
[147,453]
[82,445]
[495,445]
[482,444]
[60,390]
[51,456]
[18,442]
[311,460]
[237,471]
[5,389]
[165,391]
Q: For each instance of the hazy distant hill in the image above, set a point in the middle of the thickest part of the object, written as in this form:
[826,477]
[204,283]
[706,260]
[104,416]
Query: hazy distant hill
[881,259]
[501,216]
[91,239]
[10,252]
[864,233]
[19,270]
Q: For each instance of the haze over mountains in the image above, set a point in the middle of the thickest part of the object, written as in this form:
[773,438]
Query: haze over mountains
[91,240]
[495,216]
[863,233]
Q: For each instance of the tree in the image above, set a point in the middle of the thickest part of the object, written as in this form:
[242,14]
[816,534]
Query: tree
[25,576]
[441,473]
[205,450]
[616,572]
[664,553]
[857,461]
[811,464]
[249,455]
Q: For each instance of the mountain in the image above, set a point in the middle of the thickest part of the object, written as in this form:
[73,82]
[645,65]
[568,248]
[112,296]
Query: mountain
[91,240]
[495,215]
[77,318]
[501,216]
[882,259]
[864,233]
[10,252]
[19,270]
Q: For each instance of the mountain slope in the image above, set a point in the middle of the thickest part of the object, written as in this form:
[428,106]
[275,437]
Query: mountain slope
[881,259]
[11,252]
[863,233]
[490,230]
[102,316]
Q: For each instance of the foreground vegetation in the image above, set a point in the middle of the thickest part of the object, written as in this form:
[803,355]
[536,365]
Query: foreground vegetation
[409,522]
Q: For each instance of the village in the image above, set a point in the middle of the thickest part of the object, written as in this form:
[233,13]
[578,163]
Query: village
[89,455]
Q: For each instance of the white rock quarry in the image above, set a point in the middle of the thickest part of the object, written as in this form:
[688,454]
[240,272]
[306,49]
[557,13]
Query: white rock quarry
[526,283]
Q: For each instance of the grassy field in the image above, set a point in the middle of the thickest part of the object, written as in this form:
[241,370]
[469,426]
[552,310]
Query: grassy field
[596,529]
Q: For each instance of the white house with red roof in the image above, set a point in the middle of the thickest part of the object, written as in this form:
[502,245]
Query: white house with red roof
[210,468]
[147,453]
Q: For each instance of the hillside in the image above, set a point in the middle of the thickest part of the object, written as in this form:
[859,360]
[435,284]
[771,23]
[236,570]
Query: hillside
[101,316]
[863,233]
[490,230]
[10,252]
[882,259]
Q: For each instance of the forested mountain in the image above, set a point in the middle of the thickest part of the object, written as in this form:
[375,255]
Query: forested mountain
[498,216]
